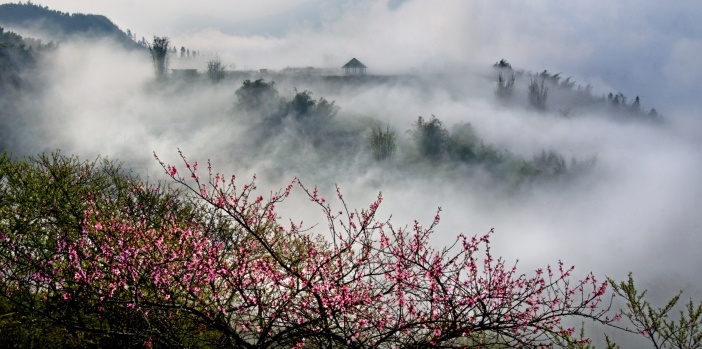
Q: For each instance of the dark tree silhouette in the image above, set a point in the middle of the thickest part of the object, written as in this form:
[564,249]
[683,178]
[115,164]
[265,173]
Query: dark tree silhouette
[538,93]
[431,137]
[159,55]
[505,87]
[215,69]
[383,143]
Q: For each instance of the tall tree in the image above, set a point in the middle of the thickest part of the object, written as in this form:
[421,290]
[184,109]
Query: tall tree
[215,69]
[159,55]
[636,106]
[505,87]
[538,92]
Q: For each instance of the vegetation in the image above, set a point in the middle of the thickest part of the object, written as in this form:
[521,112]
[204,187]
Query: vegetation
[538,93]
[505,87]
[258,96]
[383,143]
[159,55]
[46,204]
[313,121]
[18,62]
[565,95]
[431,137]
[92,256]
[63,25]
[15,58]
[302,106]
[464,145]
[215,69]
[656,324]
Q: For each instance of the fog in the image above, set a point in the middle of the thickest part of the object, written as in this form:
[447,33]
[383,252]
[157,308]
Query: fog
[635,209]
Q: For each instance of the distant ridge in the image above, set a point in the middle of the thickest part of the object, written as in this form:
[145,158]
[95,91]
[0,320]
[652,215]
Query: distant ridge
[62,25]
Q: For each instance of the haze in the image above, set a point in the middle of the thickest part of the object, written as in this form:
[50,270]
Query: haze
[637,209]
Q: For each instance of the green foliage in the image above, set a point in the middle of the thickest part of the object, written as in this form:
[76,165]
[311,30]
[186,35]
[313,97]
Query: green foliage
[463,143]
[580,341]
[15,58]
[550,163]
[431,137]
[257,96]
[655,323]
[42,202]
[383,143]
[309,121]
[303,106]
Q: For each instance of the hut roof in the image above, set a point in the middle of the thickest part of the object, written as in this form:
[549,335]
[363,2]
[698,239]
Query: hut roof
[354,63]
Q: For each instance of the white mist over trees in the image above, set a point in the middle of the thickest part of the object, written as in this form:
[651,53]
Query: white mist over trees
[607,182]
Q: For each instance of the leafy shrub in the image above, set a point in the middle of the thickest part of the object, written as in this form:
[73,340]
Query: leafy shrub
[303,107]
[383,143]
[463,143]
[431,137]
[257,96]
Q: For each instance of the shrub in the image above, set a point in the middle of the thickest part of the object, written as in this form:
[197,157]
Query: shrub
[383,143]
[431,137]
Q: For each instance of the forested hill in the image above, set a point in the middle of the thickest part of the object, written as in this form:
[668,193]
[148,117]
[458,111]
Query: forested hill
[61,25]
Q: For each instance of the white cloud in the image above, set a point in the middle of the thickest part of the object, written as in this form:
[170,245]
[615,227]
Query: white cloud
[633,47]
[684,67]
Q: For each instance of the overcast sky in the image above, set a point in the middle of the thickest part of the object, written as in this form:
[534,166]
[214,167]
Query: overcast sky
[646,48]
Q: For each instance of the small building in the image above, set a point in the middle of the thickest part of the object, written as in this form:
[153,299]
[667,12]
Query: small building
[354,67]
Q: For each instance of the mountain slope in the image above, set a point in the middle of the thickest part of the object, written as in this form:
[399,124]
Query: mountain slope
[61,25]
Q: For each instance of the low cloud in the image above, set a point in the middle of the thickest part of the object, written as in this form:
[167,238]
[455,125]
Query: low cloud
[635,210]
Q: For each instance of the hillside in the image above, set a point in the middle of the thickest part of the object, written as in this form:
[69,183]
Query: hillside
[18,60]
[61,25]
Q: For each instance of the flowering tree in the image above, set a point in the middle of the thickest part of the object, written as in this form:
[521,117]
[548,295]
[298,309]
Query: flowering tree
[217,266]
[52,265]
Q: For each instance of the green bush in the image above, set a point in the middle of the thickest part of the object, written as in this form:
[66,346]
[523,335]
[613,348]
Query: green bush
[383,143]
[431,138]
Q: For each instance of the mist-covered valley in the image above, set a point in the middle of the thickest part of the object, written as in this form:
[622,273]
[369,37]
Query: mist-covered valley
[592,176]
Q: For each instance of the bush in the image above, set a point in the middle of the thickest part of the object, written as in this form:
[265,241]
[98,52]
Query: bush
[215,70]
[463,143]
[431,137]
[304,107]
[48,250]
[258,96]
[383,143]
